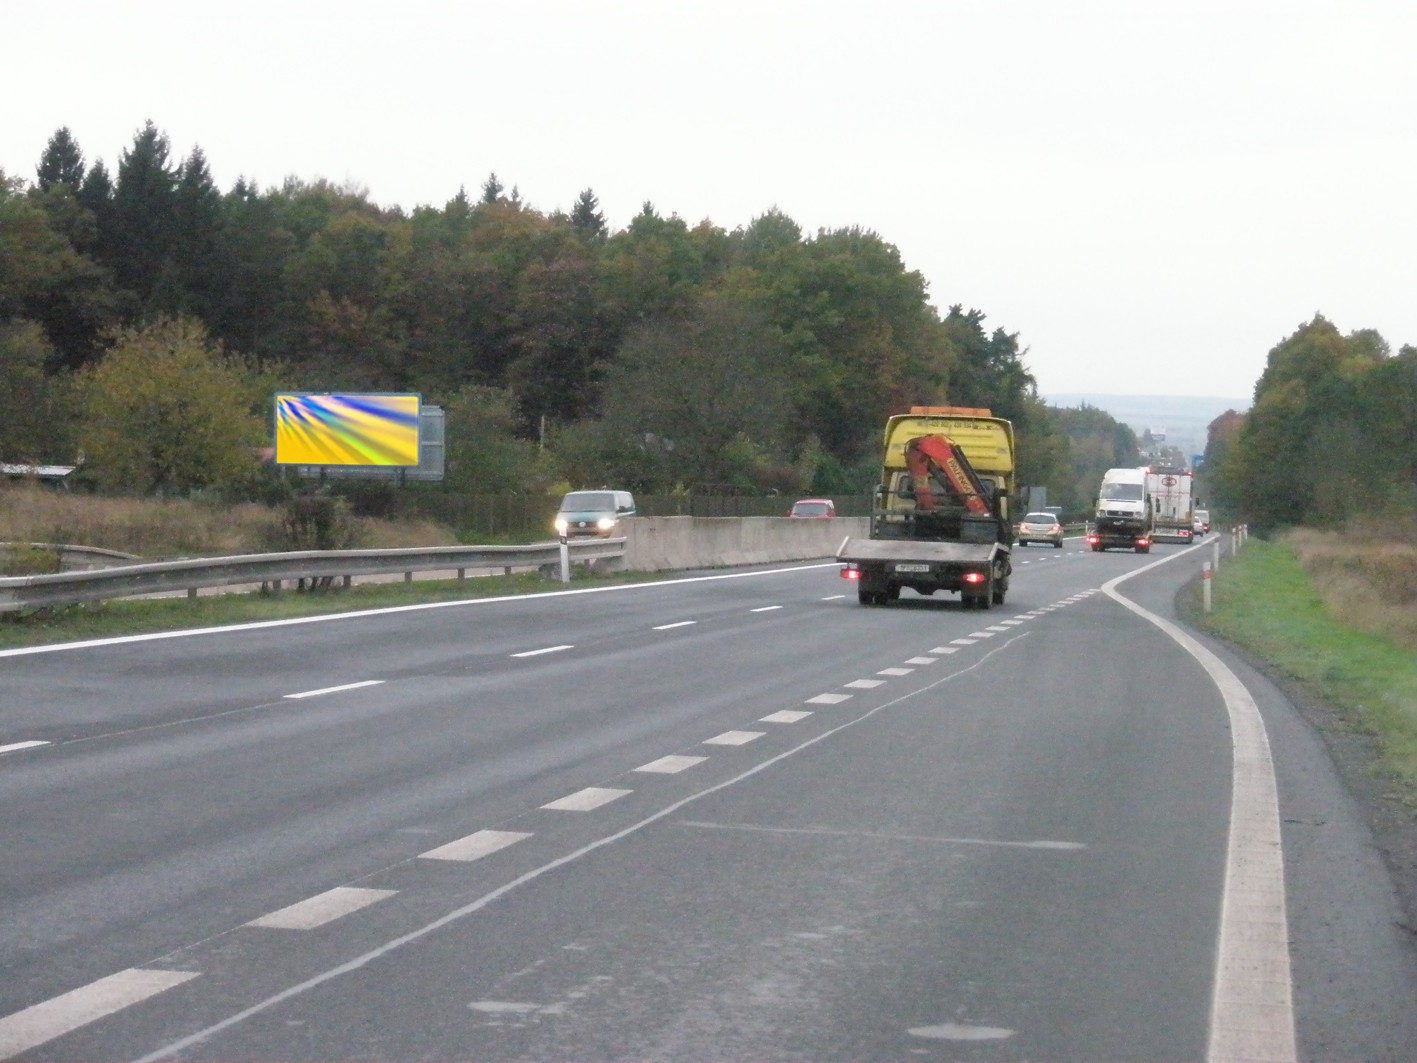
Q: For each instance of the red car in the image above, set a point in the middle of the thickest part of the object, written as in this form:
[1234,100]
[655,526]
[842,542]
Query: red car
[813,507]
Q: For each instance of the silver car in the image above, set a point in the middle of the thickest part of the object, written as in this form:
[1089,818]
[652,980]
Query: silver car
[1040,528]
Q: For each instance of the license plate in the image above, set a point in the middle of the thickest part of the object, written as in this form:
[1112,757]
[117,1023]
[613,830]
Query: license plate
[911,567]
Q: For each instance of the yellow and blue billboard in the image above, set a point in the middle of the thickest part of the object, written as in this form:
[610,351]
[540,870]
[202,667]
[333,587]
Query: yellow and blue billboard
[357,429]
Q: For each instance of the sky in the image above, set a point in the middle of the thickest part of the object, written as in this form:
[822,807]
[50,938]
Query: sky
[1149,195]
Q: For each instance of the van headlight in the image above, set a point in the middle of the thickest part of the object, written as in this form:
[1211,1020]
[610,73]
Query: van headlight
[605,523]
[561,525]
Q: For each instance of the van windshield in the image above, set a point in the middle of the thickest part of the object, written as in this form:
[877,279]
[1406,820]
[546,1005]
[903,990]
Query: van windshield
[1122,492]
[580,501]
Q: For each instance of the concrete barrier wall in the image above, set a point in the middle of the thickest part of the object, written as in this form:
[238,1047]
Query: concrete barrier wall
[658,544]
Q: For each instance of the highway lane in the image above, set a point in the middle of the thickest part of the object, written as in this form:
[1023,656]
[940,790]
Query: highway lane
[994,851]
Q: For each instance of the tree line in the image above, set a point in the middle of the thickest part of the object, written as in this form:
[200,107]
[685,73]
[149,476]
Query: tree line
[146,317]
[1330,438]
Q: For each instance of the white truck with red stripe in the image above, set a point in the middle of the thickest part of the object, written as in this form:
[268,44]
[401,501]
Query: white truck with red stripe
[1173,504]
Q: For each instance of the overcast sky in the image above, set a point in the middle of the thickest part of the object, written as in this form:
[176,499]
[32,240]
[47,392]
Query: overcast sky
[1151,195]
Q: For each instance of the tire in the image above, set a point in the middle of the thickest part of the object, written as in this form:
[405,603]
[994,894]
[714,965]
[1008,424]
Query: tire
[1059,544]
[1023,542]
[1097,549]
[1143,549]
[865,597]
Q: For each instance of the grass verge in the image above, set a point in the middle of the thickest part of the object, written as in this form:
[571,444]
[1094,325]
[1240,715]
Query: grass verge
[1265,602]
[114,619]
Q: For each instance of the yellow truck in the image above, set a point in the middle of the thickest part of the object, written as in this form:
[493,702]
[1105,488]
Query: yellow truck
[940,520]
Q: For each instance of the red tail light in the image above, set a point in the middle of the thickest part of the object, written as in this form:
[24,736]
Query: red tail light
[974,577]
[850,572]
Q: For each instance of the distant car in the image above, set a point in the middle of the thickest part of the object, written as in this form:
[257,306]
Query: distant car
[1201,525]
[813,507]
[1040,528]
[594,513]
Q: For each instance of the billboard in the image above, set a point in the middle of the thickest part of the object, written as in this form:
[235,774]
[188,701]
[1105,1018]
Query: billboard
[358,429]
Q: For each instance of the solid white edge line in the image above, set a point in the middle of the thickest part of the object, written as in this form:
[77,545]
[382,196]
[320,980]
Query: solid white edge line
[335,690]
[1252,1003]
[258,625]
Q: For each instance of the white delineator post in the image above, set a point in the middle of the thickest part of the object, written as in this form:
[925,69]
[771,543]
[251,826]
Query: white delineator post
[1205,584]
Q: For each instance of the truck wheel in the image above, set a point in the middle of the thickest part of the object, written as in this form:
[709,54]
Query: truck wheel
[1143,549]
[1097,548]
[999,596]
[1059,544]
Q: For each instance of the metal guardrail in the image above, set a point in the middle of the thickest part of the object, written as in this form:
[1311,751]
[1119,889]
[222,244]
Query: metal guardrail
[273,570]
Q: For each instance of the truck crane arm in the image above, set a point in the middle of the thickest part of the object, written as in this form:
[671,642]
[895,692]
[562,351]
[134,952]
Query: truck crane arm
[936,459]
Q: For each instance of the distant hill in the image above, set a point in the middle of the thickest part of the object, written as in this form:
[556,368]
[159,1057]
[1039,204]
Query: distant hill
[1185,418]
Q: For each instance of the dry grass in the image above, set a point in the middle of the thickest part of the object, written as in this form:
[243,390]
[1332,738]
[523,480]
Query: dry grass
[1367,577]
[174,528]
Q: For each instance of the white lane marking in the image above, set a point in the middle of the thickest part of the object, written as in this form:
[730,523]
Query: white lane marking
[1008,623]
[963,642]
[953,1031]
[895,671]
[945,649]
[506,1007]
[16,746]
[335,690]
[587,799]
[538,653]
[828,699]
[1025,616]
[671,627]
[996,628]
[57,1016]
[475,846]
[1252,1007]
[833,597]
[257,625]
[785,716]
[671,765]
[1056,846]
[920,660]
[765,608]
[981,634]
[865,684]
[477,904]
[734,738]
[322,908]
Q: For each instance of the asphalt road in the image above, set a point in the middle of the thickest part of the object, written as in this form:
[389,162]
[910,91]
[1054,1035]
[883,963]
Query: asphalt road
[728,817]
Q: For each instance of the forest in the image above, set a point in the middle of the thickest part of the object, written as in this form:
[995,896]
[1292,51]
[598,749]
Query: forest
[147,318]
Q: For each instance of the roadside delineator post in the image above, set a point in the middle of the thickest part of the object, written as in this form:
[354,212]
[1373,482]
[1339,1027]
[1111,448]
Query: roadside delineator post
[1205,584]
[565,560]
[1215,555]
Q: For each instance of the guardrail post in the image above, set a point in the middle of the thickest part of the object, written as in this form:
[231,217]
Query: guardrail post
[1205,584]
[1215,554]
[565,561]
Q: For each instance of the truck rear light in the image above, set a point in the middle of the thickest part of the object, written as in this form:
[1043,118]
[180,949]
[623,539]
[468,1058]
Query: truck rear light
[1093,540]
[974,578]
[1143,541]
[850,572]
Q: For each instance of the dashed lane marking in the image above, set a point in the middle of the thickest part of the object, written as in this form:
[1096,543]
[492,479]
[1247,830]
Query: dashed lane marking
[670,627]
[945,649]
[322,908]
[828,699]
[587,799]
[895,671]
[336,690]
[547,649]
[671,765]
[15,747]
[734,738]
[475,846]
[921,660]
[785,716]
[865,684]
[765,608]
[53,1018]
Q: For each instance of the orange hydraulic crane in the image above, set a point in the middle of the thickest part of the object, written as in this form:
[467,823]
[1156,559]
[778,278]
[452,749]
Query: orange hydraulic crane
[935,458]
